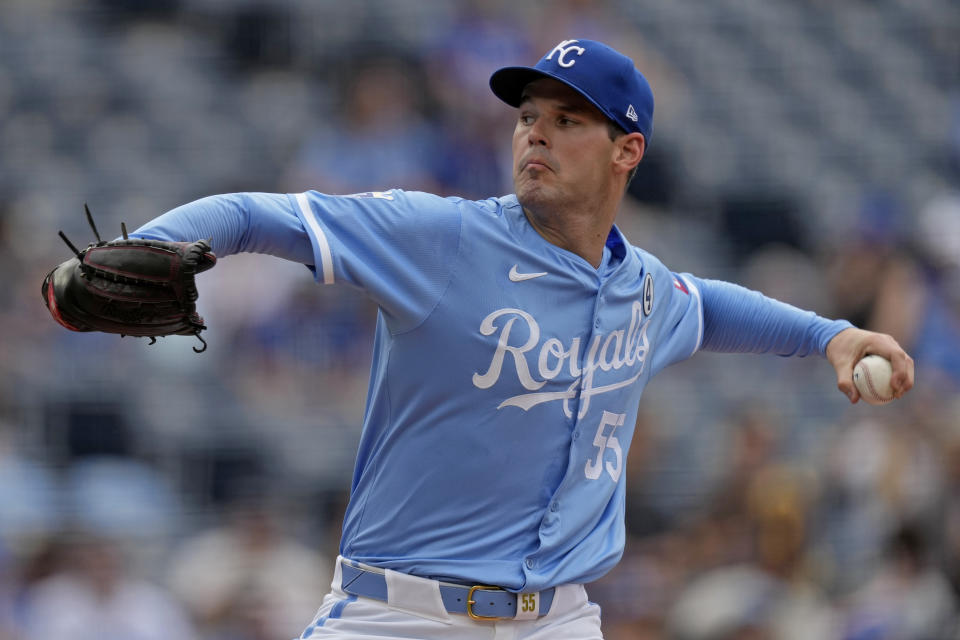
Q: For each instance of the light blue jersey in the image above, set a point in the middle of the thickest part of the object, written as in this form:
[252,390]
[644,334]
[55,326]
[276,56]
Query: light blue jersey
[506,374]
[506,379]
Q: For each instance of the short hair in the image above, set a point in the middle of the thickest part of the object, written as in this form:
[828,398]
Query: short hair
[615,131]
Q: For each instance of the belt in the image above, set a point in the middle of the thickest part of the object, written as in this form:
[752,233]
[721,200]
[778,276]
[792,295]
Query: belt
[480,602]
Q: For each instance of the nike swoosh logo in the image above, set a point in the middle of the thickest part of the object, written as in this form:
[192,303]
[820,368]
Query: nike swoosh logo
[516,276]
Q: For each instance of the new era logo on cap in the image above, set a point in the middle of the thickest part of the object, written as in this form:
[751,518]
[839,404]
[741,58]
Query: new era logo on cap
[604,76]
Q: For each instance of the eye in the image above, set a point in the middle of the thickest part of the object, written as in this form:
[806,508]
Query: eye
[526,119]
[564,121]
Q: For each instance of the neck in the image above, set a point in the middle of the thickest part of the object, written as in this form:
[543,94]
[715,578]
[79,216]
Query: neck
[580,231]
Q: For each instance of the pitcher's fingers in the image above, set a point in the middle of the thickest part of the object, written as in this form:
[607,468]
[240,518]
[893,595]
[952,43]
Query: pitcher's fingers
[845,382]
[903,373]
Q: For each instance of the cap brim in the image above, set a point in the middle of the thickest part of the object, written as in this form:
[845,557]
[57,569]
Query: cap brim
[508,83]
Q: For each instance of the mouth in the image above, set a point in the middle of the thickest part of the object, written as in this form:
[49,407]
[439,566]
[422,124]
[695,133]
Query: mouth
[535,163]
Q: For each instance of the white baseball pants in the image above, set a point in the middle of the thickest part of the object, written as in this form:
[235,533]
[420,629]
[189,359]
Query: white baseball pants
[412,614]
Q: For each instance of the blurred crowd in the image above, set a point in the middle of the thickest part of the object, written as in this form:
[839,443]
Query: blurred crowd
[810,150]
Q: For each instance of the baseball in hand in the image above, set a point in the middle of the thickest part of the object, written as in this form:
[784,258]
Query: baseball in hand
[872,377]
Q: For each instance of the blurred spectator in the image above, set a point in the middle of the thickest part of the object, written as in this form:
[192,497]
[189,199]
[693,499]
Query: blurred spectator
[379,138]
[122,498]
[752,446]
[772,593]
[247,579]
[908,597]
[880,472]
[94,596]
[282,360]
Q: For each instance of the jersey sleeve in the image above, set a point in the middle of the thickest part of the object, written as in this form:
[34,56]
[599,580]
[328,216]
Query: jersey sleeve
[682,329]
[739,320]
[397,246]
[236,223]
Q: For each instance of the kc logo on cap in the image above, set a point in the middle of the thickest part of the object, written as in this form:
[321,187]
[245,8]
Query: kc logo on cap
[563,49]
[604,76]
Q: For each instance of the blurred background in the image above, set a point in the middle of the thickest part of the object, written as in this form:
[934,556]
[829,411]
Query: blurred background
[806,148]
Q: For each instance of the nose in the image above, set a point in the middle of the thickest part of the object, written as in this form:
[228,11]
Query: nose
[536,134]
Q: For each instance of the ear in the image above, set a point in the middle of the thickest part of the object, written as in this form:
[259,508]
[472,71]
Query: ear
[629,152]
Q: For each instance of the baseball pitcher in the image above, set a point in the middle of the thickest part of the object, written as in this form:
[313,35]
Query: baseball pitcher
[489,486]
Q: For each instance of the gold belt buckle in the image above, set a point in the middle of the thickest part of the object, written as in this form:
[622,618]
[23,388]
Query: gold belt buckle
[471,602]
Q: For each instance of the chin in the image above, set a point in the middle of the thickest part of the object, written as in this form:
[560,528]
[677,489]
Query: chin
[530,201]
[532,196]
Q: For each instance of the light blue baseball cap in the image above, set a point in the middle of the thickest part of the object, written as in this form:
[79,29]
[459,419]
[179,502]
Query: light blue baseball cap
[604,76]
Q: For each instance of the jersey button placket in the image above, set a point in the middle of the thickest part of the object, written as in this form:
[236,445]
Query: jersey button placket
[601,300]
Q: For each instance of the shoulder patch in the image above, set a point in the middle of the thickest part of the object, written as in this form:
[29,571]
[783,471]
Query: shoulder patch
[648,294]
